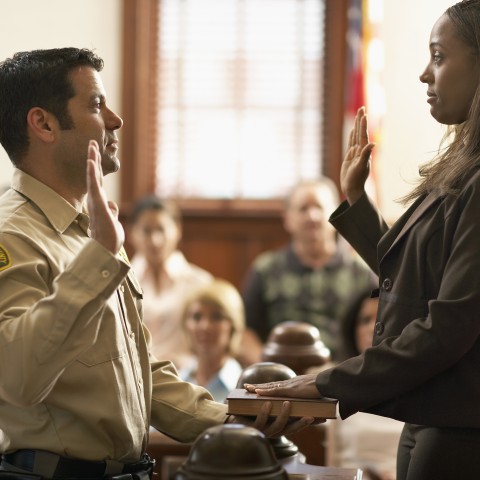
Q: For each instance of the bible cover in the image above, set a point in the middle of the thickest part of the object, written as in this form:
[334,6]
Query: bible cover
[241,402]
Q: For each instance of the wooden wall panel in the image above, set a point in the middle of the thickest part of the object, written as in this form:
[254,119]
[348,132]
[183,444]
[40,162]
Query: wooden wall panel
[226,246]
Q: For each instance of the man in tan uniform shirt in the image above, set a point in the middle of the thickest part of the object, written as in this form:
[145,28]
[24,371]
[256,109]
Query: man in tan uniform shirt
[76,377]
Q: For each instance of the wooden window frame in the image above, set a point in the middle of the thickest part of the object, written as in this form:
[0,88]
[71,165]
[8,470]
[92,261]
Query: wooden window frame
[139,136]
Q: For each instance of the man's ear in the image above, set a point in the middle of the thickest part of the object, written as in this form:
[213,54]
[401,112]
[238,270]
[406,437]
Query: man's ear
[42,124]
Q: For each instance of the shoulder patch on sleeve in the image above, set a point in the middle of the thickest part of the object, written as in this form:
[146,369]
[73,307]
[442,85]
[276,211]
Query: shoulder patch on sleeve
[5,259]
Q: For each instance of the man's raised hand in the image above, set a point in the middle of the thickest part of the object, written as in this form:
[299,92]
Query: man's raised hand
[104,224]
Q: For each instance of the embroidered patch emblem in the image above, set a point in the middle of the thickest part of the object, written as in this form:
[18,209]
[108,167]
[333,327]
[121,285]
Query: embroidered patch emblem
[5,260]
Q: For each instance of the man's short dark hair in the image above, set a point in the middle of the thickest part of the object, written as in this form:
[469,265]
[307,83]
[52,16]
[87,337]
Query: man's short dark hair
[38,78]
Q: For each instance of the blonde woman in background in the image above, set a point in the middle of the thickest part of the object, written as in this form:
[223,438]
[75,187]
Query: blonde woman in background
[214,321]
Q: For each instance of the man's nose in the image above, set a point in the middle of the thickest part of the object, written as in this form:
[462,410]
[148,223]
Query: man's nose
[114,121]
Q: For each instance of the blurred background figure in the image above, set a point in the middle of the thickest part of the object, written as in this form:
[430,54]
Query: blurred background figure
[214,321]
[165,275]
[310,280]
[356,327]
[362,440]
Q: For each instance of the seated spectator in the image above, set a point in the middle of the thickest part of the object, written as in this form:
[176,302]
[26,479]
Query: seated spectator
[362,440]
[214,321]
[311,279]
[165,275]
[356,327]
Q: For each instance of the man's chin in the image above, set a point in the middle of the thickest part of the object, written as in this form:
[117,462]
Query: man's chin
[110,165]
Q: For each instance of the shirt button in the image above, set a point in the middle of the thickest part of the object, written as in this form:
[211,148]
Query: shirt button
[379,328]
[105,273]
[132,335]
[122,288]
[387,284]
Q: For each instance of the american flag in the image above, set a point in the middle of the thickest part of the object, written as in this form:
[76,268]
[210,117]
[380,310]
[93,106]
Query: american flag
[362,74]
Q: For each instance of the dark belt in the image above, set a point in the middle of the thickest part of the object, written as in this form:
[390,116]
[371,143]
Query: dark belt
[54,466]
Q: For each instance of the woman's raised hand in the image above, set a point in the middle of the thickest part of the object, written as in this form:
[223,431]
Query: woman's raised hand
[356,164]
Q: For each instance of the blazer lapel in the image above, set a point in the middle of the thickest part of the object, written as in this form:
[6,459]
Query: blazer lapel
[405,223]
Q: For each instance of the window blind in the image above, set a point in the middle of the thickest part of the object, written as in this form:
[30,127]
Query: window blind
[240,92]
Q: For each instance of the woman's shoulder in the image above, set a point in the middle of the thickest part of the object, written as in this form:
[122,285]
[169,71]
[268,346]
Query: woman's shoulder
[473,180]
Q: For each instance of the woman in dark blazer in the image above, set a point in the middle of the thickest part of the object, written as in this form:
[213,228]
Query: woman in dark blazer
[424,366]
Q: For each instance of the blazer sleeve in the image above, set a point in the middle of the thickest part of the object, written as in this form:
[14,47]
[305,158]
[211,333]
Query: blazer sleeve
[362,225]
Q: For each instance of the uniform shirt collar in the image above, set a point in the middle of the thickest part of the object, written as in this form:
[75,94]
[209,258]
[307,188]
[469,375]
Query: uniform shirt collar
[58,211]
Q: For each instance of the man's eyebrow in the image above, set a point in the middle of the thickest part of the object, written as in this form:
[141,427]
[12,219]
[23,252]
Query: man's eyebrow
[99,96]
